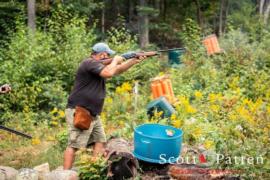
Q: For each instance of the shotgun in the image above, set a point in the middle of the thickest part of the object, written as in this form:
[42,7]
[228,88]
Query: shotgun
[15,132]
[130,55]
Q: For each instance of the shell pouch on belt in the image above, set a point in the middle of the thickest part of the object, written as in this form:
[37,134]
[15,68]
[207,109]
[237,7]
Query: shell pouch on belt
[82,118]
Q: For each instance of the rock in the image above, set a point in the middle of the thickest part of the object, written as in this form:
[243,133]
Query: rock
[60,168]
[8,173]
[42,170]
[27,174]
[62,175]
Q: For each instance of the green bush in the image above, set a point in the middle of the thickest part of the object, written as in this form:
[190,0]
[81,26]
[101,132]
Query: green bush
[41,67]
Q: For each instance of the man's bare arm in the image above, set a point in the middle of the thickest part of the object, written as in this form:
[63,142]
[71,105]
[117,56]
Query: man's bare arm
[115,69]
[111,69]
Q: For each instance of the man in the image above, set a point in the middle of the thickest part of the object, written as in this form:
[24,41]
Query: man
[5,89]
[89,92]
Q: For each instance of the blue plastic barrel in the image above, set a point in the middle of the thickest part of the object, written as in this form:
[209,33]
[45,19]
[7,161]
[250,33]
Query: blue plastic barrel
[153,144]
[175,56]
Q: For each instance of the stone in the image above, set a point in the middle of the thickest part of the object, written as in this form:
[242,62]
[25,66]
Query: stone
[8,173]
[27,174]
[42,170]
[62,175]
[60,168]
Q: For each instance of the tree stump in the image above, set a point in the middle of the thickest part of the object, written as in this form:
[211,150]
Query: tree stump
[121,162]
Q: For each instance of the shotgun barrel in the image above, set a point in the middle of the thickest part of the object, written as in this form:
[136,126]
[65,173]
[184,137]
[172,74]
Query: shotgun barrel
[130,55]
[15,132]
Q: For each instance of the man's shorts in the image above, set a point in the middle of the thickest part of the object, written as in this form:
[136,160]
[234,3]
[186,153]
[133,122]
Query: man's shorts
[82,138]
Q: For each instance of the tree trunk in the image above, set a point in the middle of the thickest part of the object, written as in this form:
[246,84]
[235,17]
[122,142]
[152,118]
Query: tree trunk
[261,7]
[220,29]
[103,20]
[226,15]
[31,15]
[266,13]
[143,26]
[199,13]
[130,10]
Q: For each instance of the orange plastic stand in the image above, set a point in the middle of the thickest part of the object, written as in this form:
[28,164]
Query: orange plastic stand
[211,44]
[162,86]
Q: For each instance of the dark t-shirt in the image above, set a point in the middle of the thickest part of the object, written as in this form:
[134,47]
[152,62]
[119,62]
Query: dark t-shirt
[89,89]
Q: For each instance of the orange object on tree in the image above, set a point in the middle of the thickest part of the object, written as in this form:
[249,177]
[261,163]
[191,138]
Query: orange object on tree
[211,44]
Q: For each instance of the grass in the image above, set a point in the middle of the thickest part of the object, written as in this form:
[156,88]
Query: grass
[19,152]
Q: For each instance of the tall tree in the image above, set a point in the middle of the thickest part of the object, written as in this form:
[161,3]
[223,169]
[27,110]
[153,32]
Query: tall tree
[31,14]
[223,12]
[143,24]
[264,9]
[199,13]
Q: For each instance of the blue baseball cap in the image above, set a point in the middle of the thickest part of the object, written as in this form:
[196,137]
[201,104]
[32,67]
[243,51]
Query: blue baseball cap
[102,47]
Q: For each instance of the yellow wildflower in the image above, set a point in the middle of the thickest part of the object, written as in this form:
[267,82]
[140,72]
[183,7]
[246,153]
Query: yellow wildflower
[126,87]
[183,100]
[50,138]
[54,110]
[109,100]
[119,90]
[35,141]
[208,144]
[238,91]
[61,114]
[173,117]
[26,109]
[215,108]
[54,123]
[268,109]
[197,132]
[232,117]
[190,109]
[198,95]
[246,101]
[234,83]
[214,97]
[177,123]
[121,123]
[103,115]
[244,113]
[255,106]
[158,114]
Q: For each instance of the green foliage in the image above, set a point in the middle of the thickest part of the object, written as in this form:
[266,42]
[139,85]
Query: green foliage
[41,68]
[121,40]
[62,138]
[84,7]
[191,34]
[91,168]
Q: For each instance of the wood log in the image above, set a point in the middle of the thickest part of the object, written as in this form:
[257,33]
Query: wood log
[121,162]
